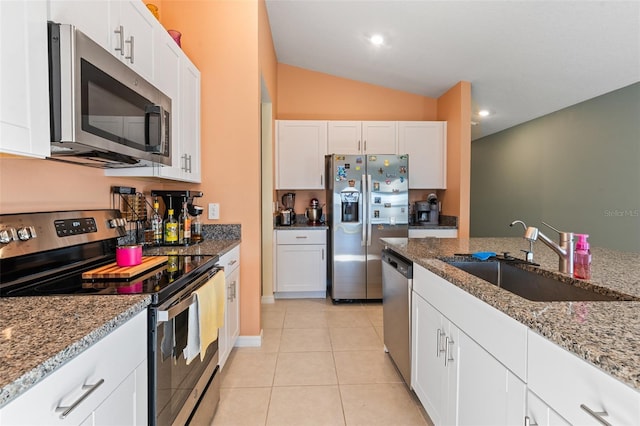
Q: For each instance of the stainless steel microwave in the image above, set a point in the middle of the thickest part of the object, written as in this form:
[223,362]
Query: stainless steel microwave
[102,113]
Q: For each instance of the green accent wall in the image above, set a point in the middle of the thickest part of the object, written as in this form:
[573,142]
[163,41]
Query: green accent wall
[577,169]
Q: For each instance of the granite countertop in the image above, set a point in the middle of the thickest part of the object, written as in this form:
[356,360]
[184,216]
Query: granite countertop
[304,225]
[205,248]
[605,334]
[40,334]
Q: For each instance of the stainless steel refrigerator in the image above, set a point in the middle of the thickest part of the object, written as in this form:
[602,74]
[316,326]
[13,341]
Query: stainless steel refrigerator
[367,199]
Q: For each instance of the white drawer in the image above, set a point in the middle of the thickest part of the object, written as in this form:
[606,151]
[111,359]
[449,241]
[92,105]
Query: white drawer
[565,382]
[433,232]
[302,236]
[113,359]
[230,260]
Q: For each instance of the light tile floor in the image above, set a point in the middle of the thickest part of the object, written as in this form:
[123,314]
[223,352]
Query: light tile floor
[319,364]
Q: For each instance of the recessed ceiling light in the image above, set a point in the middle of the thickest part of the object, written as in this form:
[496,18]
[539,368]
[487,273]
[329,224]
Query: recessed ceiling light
[484,113]
[377,40]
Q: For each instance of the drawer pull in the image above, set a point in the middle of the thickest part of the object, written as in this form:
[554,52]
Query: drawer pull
[596,414]
[233,262]
[89,390]
[301,236]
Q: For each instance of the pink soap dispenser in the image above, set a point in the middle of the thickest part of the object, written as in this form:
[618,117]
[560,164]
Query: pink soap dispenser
[582,258]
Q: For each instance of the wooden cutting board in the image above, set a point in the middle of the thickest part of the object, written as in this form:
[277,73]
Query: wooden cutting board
[112,270]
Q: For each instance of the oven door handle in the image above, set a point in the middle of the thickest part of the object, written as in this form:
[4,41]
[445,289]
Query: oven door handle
[175,310]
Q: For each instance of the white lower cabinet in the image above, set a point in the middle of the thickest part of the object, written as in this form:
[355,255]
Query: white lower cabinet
[301,263]
[457,381]
[540,414]
[456,378]
[115,368]
[576,390]
[229,332]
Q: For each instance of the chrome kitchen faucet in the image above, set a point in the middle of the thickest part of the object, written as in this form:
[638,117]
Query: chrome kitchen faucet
[564,249]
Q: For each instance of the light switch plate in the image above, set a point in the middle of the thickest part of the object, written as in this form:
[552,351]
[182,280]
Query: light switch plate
[214,211]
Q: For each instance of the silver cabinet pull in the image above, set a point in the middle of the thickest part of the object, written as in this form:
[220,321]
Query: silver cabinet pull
[89,390]
[130,57]
[365,146]
[358,146]
[120,47]
[596,414]
[233,262]
[448,355]
[322,254]
[439,334]
[302,237]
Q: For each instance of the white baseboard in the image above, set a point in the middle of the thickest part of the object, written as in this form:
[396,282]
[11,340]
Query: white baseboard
[301,295]
[268,299]
[249,341]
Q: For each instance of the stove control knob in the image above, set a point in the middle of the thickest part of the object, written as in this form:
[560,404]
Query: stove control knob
[7,235]
[27,233]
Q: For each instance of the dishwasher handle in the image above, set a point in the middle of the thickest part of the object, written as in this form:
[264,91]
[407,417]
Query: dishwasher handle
[400,264]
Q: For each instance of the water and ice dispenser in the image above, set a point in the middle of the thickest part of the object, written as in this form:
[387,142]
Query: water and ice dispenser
[350,202]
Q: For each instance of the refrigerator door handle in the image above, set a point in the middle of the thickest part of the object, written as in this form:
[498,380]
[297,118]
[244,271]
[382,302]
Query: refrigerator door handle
[364,206]
[368,213]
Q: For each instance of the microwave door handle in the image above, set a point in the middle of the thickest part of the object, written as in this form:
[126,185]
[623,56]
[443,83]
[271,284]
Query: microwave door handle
[155,110]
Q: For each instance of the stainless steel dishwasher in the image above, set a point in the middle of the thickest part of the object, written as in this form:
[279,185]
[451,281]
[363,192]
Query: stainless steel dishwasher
[397,277]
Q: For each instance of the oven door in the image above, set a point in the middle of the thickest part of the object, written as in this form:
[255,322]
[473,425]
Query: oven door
[175,387]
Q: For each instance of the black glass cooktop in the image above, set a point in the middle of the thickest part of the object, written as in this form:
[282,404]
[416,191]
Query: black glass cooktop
[153,281]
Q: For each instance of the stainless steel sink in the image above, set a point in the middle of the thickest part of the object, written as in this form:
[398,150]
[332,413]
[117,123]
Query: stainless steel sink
[531,285]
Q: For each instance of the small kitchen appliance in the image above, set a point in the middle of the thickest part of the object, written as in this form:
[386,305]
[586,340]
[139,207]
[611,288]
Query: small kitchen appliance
[66,253]
[287,214]
[427,212]
[314,212]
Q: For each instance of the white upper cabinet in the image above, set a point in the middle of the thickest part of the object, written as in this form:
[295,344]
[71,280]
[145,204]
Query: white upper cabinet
[361,137]
[124,28]
[300,150]
[426,144]
[24,87]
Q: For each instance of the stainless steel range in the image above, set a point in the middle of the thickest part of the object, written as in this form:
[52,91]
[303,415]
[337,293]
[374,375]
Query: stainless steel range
[47,253]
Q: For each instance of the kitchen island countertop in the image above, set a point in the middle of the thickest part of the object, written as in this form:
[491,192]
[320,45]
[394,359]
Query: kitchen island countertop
[605,334]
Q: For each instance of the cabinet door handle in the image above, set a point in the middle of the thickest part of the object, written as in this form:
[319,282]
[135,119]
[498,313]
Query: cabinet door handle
[89,390]
[596,414]
[302,237]
[439,335]
[365,147]
[322,254]
[233,262]
[321,180]
[448,355]
[130,57]
[120,47]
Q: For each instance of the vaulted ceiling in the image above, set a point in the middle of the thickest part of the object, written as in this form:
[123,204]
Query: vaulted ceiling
[524,59]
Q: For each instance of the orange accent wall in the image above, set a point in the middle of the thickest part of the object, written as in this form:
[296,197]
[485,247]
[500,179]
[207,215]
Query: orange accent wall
[311,95]
[230,44]
[455,107]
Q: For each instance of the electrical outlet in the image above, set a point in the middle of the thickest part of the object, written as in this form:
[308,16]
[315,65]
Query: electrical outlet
[214,211]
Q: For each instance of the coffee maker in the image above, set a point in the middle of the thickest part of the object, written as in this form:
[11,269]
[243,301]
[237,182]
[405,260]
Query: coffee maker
[287,214]
[427,212]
